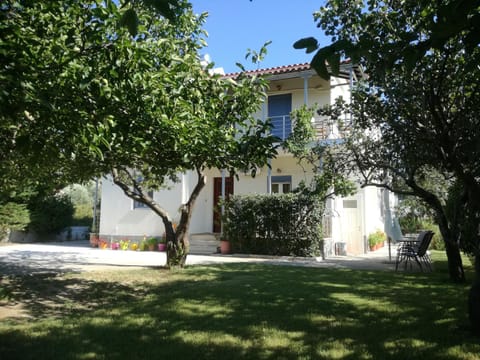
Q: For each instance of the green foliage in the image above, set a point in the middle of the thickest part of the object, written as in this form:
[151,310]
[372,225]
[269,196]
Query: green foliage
[81,197]
[82,98]
[288,224]
[50,213]
[376,237]
[301,140]
[409,30]
[151,241]
[314,157]
[13,216]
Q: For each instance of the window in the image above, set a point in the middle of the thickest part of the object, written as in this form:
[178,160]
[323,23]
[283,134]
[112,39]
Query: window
[349,204]
[139,205]
[281,184]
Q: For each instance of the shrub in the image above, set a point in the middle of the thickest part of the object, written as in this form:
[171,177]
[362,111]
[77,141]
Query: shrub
[13,216]
[287,224]
[50,214]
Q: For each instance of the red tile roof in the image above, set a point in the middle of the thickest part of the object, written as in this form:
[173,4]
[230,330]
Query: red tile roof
[285,69]
[274,70]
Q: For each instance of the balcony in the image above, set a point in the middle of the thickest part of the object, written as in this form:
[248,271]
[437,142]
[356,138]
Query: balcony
[324,129]
[281,126]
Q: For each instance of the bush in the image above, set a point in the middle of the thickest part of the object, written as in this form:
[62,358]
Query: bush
[288,224]
[50,214]
[13,216]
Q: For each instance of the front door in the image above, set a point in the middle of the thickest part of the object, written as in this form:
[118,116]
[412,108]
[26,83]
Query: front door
[352,227]
[217,195]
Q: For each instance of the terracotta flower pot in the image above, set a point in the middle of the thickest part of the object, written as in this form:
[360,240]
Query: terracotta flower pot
[94,239]
[225,247]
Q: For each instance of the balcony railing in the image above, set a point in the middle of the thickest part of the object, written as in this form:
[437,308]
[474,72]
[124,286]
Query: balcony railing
[324,128]
[281,126]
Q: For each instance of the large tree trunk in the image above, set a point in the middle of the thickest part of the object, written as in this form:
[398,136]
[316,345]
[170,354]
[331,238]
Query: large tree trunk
[455,264]
[178,244]
[474,299]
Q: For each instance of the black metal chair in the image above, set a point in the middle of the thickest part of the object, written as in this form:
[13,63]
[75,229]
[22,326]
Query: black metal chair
[417,250]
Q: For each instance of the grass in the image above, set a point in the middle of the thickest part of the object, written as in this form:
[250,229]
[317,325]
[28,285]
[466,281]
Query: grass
[240,311]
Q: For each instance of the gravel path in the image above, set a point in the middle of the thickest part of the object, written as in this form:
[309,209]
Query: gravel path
[79,257]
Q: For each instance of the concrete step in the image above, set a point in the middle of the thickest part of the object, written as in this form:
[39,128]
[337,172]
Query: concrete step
[203,244]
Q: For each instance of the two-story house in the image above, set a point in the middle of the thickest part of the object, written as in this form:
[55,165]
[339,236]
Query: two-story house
[348,221]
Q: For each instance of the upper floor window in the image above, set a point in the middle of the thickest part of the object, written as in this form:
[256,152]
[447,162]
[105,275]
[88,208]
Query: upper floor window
[279,109]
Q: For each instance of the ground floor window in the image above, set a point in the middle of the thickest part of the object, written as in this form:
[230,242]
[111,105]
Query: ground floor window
[139,205]
[281,184]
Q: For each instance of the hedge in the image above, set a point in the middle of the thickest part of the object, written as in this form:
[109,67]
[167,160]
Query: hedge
[277,224]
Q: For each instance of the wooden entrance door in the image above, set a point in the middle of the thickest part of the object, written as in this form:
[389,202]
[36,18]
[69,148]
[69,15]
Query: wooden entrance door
[217,195]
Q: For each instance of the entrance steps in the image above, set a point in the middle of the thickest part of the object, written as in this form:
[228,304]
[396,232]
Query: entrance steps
[203,244]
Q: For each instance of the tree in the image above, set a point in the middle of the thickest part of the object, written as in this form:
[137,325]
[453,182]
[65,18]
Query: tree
[310,152]
[409,29]
[422,97]
[97,100]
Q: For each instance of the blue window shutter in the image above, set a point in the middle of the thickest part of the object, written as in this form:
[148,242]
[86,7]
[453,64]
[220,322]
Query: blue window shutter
[279,108]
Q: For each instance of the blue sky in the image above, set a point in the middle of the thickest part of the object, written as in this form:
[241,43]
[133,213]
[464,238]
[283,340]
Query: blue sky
[237,25]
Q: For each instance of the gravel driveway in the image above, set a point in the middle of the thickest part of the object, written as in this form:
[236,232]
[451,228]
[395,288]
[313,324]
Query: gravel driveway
[79,256]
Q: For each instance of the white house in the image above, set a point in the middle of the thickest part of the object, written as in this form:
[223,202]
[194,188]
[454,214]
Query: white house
[348,220]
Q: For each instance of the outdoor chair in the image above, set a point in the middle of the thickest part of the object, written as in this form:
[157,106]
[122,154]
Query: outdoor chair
[415,251]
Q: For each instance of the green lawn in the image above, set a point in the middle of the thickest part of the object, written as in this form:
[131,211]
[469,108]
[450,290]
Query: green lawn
[238,312]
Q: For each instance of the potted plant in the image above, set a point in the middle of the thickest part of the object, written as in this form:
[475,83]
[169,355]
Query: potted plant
[162,243]
[124,244]
[225,246]
[151,243]
[103,244]
[94,238]
[376,240]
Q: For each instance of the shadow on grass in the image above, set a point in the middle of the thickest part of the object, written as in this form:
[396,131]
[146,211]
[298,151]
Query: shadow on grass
[240,312]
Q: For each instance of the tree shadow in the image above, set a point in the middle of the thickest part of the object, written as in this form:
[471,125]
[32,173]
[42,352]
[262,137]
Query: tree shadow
[242,311]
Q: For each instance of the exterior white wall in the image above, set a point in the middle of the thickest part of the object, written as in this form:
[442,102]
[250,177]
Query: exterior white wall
[119,218]
[339,88]
[374,218]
